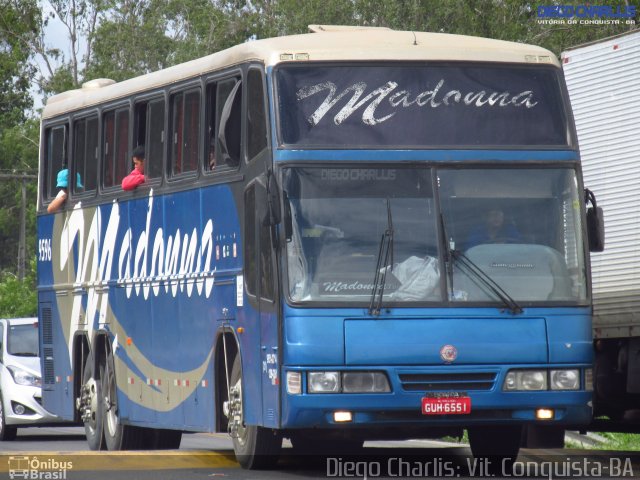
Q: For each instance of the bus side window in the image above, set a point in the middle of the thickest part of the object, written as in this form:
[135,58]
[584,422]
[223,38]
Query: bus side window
[185,127]
[210,150]
[229,121]
[116,163]
[149,132]
[256,114]
[258,266]
[85,155]
[56,157]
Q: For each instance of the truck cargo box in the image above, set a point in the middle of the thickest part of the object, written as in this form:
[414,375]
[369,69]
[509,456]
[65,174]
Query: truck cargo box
[603,79]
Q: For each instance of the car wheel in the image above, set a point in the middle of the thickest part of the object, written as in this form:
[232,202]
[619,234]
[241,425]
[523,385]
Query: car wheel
[7,432]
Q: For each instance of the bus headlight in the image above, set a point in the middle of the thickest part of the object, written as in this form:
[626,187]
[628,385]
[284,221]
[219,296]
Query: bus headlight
[365,382]
[525,380]
[324,382]
[565,379]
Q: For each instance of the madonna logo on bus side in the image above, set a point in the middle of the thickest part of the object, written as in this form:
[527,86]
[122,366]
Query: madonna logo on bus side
[448,353]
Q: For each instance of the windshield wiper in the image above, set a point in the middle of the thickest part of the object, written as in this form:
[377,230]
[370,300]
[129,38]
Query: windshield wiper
[486,280]
[452,255]
[385,260]
[23,354]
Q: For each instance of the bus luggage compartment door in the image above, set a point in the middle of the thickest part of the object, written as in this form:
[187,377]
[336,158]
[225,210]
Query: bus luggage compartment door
[420,341]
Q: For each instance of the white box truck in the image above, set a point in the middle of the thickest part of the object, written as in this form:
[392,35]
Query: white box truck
[603,79]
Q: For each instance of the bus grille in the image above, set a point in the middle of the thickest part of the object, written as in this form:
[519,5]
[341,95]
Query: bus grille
[435,382]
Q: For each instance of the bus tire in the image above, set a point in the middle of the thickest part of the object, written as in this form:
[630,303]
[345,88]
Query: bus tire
[166,439]
[543,436]
[498,446]
[93,426]
[116,435]
[255,447]
[317,443]
[7,432]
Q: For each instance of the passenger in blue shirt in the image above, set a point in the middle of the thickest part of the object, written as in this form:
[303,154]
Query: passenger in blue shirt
[494,230]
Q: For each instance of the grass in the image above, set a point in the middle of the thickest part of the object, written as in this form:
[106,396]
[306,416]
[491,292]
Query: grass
[620,441]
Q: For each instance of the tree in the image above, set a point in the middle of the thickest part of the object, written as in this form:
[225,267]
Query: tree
[18,21]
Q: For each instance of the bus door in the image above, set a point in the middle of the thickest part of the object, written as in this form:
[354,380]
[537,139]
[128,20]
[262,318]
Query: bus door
[260,276]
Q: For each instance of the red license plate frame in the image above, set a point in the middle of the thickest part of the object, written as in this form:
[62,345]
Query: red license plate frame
[453,405]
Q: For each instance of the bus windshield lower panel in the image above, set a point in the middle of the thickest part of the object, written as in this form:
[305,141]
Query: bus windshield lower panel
[520,227]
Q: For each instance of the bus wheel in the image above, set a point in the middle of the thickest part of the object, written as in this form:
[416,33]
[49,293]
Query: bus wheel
[7,432]
[543,436]
[317,443]
[117,436]
[497,447]
[166,439]
[255,447]
[91,409]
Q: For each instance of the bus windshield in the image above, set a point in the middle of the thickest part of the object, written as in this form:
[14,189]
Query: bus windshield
[519,227]
[339,216]
[427,105]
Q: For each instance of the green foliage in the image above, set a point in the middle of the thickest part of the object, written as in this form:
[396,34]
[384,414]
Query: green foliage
[18,299]
[16,22]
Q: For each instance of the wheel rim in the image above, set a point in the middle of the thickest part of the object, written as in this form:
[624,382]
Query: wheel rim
[236,414]
[93,404]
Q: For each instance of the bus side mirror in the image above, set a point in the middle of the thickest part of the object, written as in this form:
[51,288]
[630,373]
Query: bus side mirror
[595,223]
[595,229]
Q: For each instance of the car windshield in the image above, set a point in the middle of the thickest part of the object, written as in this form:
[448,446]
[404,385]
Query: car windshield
[519,227]
[22,340]
[338,218]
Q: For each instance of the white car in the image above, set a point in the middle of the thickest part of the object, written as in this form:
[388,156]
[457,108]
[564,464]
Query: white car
[20,378]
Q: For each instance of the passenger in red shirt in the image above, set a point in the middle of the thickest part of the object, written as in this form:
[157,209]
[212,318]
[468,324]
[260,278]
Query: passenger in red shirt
[136,177]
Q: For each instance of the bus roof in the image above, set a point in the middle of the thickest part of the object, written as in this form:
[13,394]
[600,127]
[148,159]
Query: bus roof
[326,43]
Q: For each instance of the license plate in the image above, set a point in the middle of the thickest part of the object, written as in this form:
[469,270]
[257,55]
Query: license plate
[446,405]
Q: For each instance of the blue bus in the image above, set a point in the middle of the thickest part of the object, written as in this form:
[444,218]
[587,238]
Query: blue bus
[346,235]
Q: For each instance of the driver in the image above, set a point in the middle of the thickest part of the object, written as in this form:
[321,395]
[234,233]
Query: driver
[494,229]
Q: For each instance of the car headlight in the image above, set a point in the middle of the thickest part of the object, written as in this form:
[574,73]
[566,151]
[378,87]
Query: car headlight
[324,382]
[365,382]
[22,377]
[565,379]
[525,380]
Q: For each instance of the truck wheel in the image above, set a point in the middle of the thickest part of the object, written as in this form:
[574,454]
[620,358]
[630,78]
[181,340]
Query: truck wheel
[497,446]
[255,447]
[7,432]
[92,407]
[117,436]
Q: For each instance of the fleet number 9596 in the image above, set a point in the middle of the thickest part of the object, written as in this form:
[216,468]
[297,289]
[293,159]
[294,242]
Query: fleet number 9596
[44,250]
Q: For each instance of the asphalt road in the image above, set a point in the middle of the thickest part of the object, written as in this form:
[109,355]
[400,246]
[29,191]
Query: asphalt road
[62,453]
